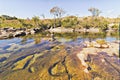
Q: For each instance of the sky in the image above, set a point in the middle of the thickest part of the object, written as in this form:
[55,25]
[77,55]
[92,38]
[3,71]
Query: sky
[30,8]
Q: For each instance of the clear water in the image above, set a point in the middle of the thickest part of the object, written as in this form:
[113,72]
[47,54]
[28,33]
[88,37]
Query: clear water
[21,43]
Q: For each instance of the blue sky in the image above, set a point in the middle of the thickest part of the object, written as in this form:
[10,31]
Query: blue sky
[30,8]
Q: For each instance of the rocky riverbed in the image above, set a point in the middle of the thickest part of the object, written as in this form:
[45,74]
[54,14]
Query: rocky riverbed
[58,61]
[12,32]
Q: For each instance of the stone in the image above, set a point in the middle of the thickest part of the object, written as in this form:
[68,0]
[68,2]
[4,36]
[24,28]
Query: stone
[97,45]
[32,31]
[20,33]
[104,46]
[11,35]
[82,59]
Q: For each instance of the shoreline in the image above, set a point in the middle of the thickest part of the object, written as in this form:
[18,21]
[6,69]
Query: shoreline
[6,33]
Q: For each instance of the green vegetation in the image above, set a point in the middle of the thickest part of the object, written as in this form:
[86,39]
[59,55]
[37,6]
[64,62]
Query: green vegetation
[94,21]
[55,60]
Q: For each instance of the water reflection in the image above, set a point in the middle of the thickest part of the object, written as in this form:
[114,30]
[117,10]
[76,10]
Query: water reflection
[12,45]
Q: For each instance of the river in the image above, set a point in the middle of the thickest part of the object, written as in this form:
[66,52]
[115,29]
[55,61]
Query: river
[33,40]
[50,56]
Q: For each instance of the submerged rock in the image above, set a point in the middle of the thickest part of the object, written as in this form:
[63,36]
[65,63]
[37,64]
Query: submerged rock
[32,69]
[104,62]
[56,61]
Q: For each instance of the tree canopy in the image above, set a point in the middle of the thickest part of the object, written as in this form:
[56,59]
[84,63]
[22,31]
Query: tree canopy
[95,12]
[57,12]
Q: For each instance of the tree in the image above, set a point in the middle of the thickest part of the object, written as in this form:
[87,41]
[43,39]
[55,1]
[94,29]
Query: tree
[57,12]
[95,12]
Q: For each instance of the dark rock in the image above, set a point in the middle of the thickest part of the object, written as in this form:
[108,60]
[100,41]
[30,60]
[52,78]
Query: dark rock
[5,28]
[89,68]
[11,35]
[20,34]
[36,30]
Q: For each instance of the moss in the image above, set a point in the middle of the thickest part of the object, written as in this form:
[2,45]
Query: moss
[101,41]
[20,64]
[58,69]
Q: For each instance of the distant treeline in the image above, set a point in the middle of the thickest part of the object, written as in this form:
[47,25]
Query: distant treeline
[67,22]
[93,21]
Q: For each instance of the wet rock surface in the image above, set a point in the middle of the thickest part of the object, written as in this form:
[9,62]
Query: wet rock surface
[2,59]
[58,61]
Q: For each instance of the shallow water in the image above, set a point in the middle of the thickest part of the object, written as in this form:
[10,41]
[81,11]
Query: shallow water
[46,56]
[74,39]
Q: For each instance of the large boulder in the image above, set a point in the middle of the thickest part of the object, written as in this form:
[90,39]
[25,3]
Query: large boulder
[19,33]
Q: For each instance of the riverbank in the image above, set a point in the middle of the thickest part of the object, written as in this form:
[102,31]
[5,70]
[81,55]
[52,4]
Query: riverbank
[90,30]
[6,33]
[12,32]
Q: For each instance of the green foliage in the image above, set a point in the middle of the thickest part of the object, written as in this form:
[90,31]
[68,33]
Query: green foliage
[35,20]
[57,12]
[115,27]
[100,22]
[11,23]
[70,22]
[67,22]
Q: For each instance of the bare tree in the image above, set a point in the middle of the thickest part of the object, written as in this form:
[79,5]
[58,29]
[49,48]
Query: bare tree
[57,12]
[95,12]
